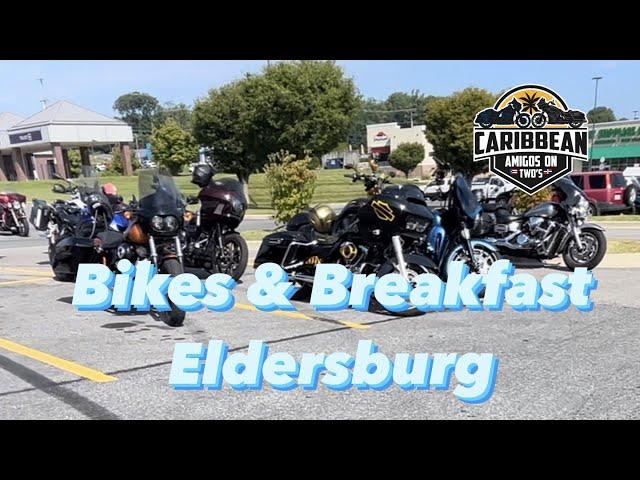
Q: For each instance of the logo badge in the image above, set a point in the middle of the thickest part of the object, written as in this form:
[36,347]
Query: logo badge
[530,137]
[383,211]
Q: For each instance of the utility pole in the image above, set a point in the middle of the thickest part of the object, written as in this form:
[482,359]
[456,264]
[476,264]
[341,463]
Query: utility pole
[593,128]
[635,114]
[43,101]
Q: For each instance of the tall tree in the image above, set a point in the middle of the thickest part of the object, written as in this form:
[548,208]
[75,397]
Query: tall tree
[180,112]
[406,157]
[141,111]
[173,147]
[600,115]
[449,123]
[295,106]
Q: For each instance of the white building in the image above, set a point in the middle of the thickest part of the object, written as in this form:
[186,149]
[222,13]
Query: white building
[384,138]
[36,147]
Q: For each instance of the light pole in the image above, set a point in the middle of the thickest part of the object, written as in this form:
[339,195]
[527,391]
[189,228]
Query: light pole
[593,128]
[635,114]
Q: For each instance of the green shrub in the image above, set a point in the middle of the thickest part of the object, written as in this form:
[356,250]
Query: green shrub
[406,157]
[291,183]
[522,202]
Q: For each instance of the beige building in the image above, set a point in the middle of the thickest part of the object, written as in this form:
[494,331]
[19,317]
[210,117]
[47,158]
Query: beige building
[384,138]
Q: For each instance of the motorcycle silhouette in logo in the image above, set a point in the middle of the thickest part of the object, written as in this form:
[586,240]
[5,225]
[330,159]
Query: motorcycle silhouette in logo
[509,115]
[552,114]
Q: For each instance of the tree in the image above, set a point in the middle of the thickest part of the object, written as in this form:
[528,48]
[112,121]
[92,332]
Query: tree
[449,123]
[296,106]
[180,112]
[75,162]
[116,166]
[601,115]
[291,184]
[406,157]
[173,147]
[141,111]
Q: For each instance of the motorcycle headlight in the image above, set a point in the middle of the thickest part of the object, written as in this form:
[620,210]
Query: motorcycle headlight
[23,204]
[157,223]
[16,204]
[170,223]
[236,205]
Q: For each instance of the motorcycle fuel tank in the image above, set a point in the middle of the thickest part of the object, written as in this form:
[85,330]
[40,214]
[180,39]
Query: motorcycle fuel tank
[389,210]
[223,201]
[545,210]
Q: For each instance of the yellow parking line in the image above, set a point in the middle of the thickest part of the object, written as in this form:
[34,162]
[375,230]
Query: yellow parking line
[57,362]
[355,326]
[243,306]
[19,282]
[40,272]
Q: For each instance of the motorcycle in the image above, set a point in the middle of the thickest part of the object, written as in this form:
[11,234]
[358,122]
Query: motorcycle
[212,242]
[554,115]
[72,225]
[12,214]
[509,115]
[548,230]
[450,235]
[154,232]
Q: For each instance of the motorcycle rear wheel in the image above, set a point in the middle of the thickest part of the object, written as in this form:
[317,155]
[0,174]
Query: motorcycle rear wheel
[23,227]
[233,261]
[538,120]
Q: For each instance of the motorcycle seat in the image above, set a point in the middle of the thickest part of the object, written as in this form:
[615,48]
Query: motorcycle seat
[110,239]
[503,216]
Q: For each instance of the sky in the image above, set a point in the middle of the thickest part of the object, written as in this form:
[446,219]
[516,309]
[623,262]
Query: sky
[96,84]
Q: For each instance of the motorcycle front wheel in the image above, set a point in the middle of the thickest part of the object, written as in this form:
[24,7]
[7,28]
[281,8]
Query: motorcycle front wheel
[523,120]
[594,247]
[234,257]
[538,120]
[175,316]
[413,270]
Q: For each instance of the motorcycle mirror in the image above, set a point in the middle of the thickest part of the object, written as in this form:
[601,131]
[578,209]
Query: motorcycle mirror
[192,200]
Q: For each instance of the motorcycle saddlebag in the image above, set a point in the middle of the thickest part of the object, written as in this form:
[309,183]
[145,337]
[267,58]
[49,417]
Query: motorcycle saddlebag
[39,217]
[275,245]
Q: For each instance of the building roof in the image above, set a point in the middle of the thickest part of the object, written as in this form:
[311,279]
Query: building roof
[8,120]
[64,112]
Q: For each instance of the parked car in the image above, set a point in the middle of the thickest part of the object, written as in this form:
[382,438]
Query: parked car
[607,191]
[492,188]
[437,189]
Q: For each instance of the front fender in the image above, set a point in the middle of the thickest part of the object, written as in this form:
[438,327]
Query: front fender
[593,226]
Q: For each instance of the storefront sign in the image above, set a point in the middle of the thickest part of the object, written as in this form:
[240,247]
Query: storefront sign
[26,137]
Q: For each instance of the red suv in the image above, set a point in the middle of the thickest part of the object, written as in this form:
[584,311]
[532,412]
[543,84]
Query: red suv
[607,191]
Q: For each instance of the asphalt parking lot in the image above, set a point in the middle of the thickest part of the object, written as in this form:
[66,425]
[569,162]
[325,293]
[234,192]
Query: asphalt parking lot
[56,362]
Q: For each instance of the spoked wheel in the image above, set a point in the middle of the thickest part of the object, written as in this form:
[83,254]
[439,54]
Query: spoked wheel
[483,256]
[523,120]
[413,270]
[539,120]
[174,317]
[233,258]
[594,247]
[23,227]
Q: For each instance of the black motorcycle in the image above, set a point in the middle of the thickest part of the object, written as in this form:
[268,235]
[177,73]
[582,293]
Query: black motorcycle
[212,243]
[388,234]
[554,115]
[509,115]
[548,230]
[450,237]
[71,225]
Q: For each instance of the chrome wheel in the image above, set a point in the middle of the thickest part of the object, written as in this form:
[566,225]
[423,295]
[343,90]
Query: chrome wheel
[590,245]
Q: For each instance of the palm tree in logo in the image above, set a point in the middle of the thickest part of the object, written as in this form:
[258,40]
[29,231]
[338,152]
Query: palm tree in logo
[529,102]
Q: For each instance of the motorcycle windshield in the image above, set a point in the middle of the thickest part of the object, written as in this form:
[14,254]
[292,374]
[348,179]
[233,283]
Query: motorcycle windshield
[90,190]
[158,194]
[571,193]
[229,185]
[465,198]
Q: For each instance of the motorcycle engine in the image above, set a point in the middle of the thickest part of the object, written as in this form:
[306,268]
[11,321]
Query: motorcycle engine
[534,232]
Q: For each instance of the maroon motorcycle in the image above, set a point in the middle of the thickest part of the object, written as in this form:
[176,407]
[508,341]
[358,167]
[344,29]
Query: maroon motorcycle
[12,214]
[212,243]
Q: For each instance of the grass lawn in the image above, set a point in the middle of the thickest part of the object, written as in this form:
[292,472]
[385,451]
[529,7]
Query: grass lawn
[623,217]
[623,246]
[331,187]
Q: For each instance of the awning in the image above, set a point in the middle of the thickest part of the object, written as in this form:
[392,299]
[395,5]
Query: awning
[386,149]
[618,151]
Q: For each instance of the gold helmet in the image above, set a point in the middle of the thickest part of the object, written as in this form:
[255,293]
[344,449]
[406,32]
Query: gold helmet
[322,216]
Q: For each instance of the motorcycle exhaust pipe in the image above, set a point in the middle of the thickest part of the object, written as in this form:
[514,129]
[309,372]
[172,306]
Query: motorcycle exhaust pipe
[301,278]
[397,247]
